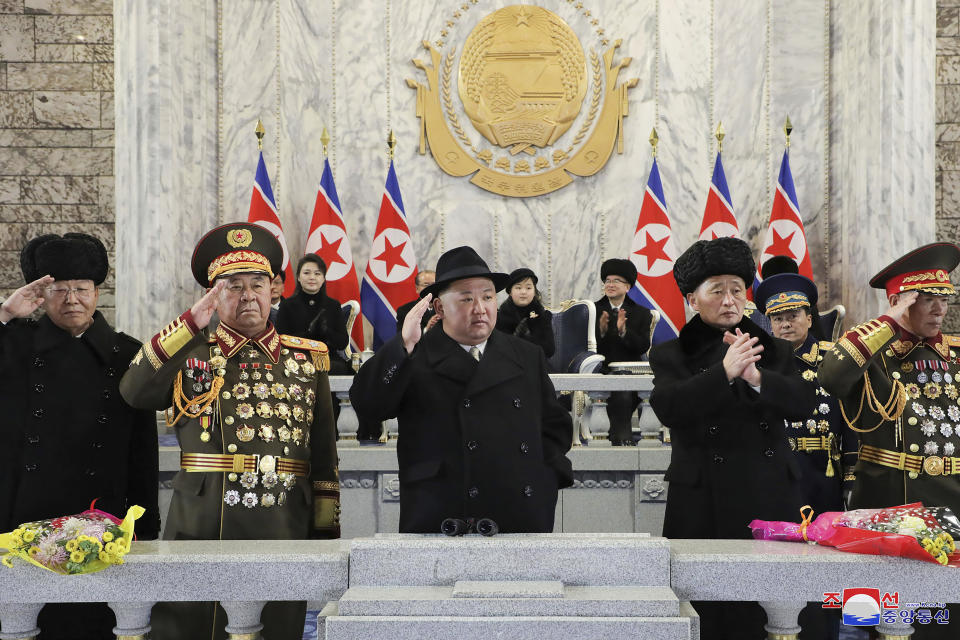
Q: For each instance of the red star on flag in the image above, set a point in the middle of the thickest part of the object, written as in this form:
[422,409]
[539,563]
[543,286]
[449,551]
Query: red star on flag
[653,250]
[780,246]
[392,255]
[330,251]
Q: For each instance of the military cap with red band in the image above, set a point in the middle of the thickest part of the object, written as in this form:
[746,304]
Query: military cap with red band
[926,269]
[237,247]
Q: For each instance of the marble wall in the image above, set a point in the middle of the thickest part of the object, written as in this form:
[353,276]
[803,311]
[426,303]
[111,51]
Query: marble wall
[56,127]
[193,78]
[948,133]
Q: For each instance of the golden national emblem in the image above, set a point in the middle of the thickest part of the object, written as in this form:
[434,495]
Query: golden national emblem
[540,105]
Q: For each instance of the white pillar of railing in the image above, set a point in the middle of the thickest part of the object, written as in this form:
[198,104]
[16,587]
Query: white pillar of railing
[782,619]
[348,423]
[133,619]
[243,619]
[19,620]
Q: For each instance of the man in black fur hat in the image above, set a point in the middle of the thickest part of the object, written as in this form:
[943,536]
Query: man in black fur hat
[724,388]
[623,335]
[68,436]
[482,434]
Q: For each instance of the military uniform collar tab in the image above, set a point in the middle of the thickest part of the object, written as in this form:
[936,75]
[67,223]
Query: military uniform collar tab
[229,339]
[809,351]
[907,342]
[269,342]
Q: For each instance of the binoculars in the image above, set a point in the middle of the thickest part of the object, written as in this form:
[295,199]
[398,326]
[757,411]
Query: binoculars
[457,527]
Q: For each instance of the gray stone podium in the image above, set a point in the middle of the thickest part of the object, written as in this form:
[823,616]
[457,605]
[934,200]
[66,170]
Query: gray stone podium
[567,586]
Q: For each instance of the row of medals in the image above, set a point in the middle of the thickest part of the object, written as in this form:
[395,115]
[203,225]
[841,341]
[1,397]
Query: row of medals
[245,433]
[932,384]
[815,426]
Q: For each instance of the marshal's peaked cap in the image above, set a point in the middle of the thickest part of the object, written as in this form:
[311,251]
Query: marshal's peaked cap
[237,247]
[73,256]
[926,269]
[707,258]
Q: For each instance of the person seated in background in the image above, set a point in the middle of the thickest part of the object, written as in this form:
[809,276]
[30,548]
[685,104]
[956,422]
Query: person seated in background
[311,313]
[623,335]
[482,434]
[67,437]
[276,294]
[423,280]
[523,314]
[724,388]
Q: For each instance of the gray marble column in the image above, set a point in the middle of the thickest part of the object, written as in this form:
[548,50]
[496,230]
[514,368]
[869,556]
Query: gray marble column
[19,620]
[166,155]
[882,143]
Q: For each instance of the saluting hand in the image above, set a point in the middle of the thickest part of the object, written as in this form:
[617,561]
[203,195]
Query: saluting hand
[203,309]
[740,359]
[411,331]
[904,302]
[25,300]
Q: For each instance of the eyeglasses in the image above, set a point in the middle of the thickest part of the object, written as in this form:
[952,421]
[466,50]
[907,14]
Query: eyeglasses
[614,281]
[62,293]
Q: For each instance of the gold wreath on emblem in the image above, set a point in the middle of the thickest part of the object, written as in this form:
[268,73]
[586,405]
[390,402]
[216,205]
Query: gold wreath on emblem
[523,80]
[237,238]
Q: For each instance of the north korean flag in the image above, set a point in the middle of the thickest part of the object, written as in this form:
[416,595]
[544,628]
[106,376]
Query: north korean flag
[328,239]
[263,211]
[785,235]
[718,219]
[653,252]
[392,268]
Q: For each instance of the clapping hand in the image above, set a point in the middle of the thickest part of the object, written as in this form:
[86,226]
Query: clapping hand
[742,356]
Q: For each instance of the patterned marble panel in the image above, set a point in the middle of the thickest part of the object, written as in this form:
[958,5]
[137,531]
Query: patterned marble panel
[739,101]
[250,91]
[798,89]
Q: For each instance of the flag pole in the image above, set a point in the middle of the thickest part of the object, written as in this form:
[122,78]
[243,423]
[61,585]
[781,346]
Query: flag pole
[720,135]
[787,130]
[325,140]
[391,144]
[260,131]
[654,139]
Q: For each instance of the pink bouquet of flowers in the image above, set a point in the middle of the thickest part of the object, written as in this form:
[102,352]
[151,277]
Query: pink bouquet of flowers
[83,543]
[908,531]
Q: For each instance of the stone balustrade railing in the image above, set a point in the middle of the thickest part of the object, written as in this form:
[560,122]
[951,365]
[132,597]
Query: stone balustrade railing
[536,585]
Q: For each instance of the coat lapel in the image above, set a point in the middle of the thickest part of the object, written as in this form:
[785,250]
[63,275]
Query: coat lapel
[446,357]
[498,365]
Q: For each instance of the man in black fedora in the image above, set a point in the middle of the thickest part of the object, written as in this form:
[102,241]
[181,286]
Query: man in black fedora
[482,434]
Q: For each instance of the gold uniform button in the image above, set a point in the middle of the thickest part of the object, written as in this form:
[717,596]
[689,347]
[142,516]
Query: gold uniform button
[225,395]
[888,353]
[286,451]
[913,475]
[228,420]
[232,448]
[914,447]
[912,421]
[232,477]
[895,375]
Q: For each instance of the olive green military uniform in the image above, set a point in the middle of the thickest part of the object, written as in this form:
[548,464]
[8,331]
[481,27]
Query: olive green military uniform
[258,451]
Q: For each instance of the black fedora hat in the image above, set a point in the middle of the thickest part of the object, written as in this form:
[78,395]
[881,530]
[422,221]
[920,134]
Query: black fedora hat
[461,263]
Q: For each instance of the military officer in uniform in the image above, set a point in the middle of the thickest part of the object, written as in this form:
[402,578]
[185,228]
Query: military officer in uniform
[897,378]
[68,438]
[253,418]
[482,434]
[823,444]
[724,388]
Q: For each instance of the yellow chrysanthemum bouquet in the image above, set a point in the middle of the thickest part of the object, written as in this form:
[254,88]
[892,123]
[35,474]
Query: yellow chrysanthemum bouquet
[83,543]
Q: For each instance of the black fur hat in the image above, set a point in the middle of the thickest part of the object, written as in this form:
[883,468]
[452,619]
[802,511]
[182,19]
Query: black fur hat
[619,267]
[74,256]
[707,258]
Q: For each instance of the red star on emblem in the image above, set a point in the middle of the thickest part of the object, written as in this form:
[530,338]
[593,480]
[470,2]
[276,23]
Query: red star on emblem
[330,251]
[781,245]
[392,255]
[653,250]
